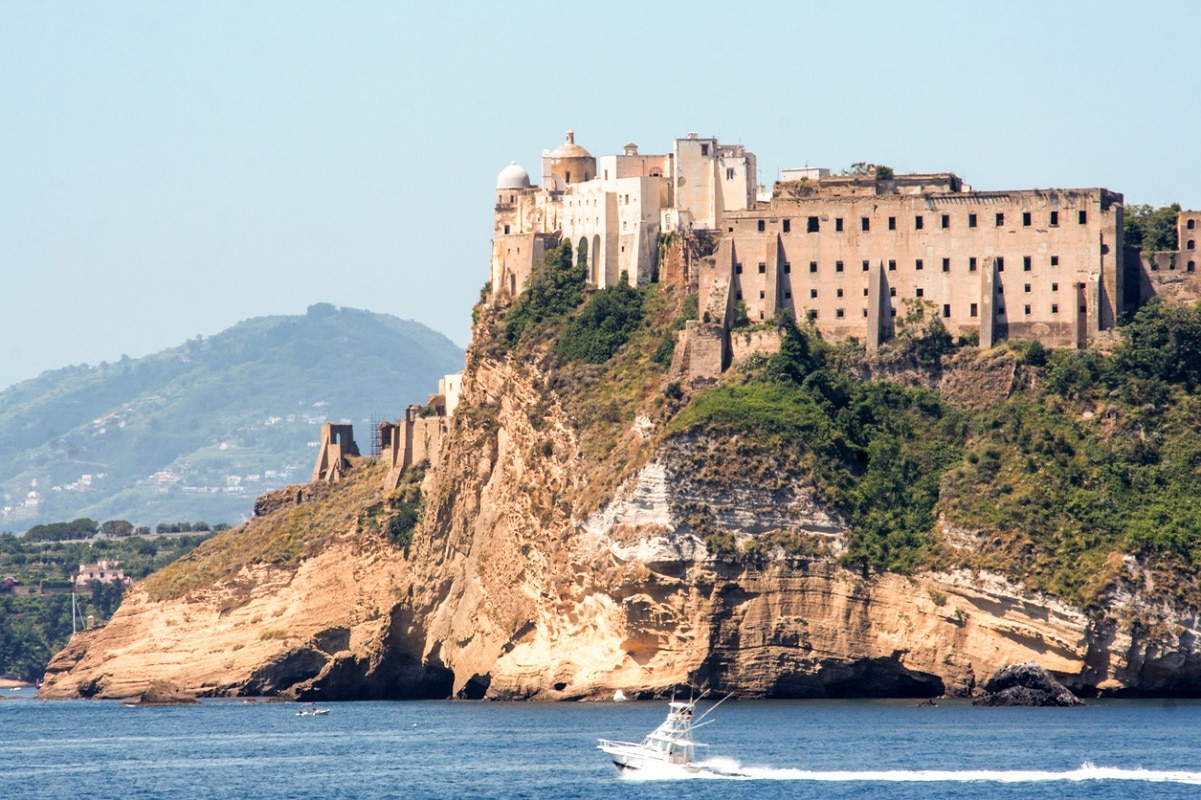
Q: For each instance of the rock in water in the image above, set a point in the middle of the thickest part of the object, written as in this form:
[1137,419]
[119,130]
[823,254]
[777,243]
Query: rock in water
[1026,684]
[165,693]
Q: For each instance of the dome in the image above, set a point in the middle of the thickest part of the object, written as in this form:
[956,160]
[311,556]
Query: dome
[513,177]
[569,149]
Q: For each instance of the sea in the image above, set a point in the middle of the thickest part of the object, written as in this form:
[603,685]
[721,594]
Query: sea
[416,750]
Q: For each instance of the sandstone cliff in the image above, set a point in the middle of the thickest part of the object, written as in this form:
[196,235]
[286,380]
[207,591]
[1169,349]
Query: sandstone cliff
[561,560]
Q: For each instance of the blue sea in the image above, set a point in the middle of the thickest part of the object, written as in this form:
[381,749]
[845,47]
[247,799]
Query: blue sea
[416,750]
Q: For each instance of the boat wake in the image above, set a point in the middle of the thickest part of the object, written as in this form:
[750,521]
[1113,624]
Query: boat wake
[726,769]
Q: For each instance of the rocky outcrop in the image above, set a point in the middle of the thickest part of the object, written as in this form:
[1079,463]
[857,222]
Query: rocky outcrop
[551,566]
[1025,684]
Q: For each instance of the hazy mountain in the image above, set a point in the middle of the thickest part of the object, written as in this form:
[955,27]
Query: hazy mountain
[198,431]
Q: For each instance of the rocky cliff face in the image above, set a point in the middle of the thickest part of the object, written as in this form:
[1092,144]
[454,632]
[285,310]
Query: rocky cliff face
[521,584]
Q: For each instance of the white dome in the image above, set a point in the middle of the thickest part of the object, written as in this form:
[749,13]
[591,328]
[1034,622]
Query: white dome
[513,177]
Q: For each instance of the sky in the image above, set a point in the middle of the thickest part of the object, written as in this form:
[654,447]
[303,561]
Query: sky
[170,169]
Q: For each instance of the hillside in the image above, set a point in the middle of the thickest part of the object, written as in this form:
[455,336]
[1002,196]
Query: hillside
[816,524]
[197,431]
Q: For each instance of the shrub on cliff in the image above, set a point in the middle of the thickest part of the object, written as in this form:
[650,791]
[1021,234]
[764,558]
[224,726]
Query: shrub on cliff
[555,289]
[606,323]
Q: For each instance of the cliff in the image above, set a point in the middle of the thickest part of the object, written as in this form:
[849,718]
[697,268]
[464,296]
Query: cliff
[580,536]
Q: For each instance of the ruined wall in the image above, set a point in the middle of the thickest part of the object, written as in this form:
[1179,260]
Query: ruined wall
[746,343]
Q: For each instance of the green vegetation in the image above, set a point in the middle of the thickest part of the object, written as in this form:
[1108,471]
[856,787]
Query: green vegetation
[35,596]
[198,431]
[555,288]
[1099,459]
[406,507]
[605,323]
[874,449]
[1150,229]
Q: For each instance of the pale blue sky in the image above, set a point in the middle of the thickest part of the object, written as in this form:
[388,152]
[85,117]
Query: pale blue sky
[168,169]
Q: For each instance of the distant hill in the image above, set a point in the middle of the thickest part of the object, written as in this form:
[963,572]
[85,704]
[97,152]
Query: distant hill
[198,431]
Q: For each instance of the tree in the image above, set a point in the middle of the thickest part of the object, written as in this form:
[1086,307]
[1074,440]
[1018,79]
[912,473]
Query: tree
[1151,229]
[116,527]
[864,169]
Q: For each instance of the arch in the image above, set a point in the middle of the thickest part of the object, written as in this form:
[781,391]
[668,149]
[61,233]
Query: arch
[1192,266]
[1192,245]
[1192,223]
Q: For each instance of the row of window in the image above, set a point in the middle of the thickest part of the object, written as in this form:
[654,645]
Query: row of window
[813,224]
[1189,267]
[918,265]
[892,292]
[973,311]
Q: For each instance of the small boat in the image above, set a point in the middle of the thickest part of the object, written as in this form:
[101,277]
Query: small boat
[312,712]
[669,745]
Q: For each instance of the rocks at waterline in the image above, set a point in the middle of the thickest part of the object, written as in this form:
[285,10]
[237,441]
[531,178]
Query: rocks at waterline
[1026,684]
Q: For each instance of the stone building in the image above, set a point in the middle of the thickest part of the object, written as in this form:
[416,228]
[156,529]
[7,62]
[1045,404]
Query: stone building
[103,571]
[613,209]
[853,254]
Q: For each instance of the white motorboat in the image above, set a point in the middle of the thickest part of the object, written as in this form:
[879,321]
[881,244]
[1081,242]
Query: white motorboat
[312,712]
[669,745]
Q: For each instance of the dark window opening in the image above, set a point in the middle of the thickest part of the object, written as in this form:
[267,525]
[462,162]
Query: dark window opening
[1025,219]
[762,268]
[1026,287]
[1027,263]
[762,294]
[787,225]
[892,265]
[506,229]
[865,224]
[814,225]
[729,173]
[838,293]
[866,266]
[1192,223]
[892,291]
[787,295]
[1055,287]
[813,294]
[1082,217]
[1000,264]
[1192,266]
[838,224]
[972,310]
[946,310]
[762,225]
[811,314]
[1055,308]
[971,220]
[813,266]
[1000,219]
[917,265]
[737,269]
[918,223]
[704,149]
[892,223]
[946,265]
[946,220]
[865,292]
[920,292]
[787,268]
[737,295]
[1054,219]
[971,264]
[1192,245]
[1055,261]
[1026,309]
[838,313]
[838,266]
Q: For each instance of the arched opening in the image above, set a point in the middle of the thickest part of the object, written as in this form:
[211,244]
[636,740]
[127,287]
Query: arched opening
[1192,223]
[1192,245]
